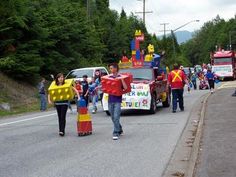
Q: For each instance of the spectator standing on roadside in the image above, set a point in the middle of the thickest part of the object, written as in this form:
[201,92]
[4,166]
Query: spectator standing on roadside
[176,80]
[42,94]
[85,87]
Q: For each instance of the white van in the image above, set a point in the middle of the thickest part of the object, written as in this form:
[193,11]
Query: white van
[77,74]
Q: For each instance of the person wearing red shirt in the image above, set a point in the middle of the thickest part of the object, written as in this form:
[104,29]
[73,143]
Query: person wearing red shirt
[176,80]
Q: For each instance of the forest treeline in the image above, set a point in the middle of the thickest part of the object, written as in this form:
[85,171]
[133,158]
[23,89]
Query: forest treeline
[42,37]
[213,35]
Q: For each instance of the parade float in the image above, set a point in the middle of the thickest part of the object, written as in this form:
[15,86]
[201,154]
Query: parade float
[149,80]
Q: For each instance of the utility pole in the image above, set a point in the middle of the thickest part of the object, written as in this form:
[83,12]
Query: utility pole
[144,12]
[164,24]
[88,10]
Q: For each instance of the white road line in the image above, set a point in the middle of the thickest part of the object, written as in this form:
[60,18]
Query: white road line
[24,120]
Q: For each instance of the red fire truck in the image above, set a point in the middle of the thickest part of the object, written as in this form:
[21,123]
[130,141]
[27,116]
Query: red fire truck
[224,64]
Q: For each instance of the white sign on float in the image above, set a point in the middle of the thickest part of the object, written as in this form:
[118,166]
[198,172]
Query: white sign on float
[223,70]
[138,98]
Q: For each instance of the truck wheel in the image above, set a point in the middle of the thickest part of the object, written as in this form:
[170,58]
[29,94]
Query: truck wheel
[108,113]
[153,106]
[166,103]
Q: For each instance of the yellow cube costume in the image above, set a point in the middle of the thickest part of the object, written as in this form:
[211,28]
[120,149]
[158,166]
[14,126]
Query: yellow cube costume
[62,92]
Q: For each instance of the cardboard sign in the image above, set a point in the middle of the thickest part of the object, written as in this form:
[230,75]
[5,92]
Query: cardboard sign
[138,98]
[223,70]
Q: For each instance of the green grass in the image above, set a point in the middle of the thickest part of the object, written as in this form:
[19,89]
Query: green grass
[21,109]
[34,107]
[21,96]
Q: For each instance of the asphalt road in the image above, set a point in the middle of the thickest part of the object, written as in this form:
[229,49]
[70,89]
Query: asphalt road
[30,145]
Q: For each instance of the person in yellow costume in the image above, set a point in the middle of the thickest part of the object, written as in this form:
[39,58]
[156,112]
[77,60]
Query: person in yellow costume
[149,56]
[62,105]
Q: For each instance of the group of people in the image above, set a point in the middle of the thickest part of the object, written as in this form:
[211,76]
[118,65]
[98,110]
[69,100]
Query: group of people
[177,79]
[205,75]
[83,89]
[91,91]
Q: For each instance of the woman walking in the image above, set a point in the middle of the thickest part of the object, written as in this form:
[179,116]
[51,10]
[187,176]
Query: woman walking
[62,106]
[211,80]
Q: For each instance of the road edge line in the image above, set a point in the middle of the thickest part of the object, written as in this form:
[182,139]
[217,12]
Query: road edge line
[26,119]
[196,144]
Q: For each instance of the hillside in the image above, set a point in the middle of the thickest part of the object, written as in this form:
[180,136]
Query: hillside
[18,96]
[183,36]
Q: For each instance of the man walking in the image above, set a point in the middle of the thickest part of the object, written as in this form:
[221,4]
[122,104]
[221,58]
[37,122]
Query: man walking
[114,103]
[42,94]
[176,80]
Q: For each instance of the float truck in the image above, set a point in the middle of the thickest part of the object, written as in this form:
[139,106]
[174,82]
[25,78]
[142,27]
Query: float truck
[224,64]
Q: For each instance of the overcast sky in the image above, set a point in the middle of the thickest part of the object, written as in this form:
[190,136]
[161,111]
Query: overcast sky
[177,12]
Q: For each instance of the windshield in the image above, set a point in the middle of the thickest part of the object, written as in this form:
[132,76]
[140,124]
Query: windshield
[222,60]
[80,73]
[142,73]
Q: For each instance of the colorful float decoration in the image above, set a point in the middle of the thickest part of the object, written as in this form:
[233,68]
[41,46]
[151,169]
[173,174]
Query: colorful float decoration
[138,59]
[84,121]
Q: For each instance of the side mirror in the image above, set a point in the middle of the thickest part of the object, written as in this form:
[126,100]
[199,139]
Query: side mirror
[159,78]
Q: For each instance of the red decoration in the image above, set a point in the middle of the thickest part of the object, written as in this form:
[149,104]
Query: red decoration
[113,86]
[124,59]
[84,128]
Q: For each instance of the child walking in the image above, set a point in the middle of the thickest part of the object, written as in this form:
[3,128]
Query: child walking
[93,93]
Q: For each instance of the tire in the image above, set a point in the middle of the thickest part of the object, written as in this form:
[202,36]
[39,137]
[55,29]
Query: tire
[108,113]
[166,103]
[153,106]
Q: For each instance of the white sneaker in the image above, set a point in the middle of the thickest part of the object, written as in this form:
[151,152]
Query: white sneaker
[115,137]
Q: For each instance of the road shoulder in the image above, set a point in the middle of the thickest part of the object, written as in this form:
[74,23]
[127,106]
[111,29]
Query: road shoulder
[182,161]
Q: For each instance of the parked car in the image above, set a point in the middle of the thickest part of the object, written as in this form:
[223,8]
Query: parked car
[77,74]
[147,90]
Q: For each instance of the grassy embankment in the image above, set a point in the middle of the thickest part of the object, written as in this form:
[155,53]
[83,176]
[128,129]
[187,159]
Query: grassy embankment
[20,96]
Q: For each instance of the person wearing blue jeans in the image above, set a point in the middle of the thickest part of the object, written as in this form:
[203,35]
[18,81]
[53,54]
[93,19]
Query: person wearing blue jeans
[114,103]
[43,102]
[93,94]
[42,95]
